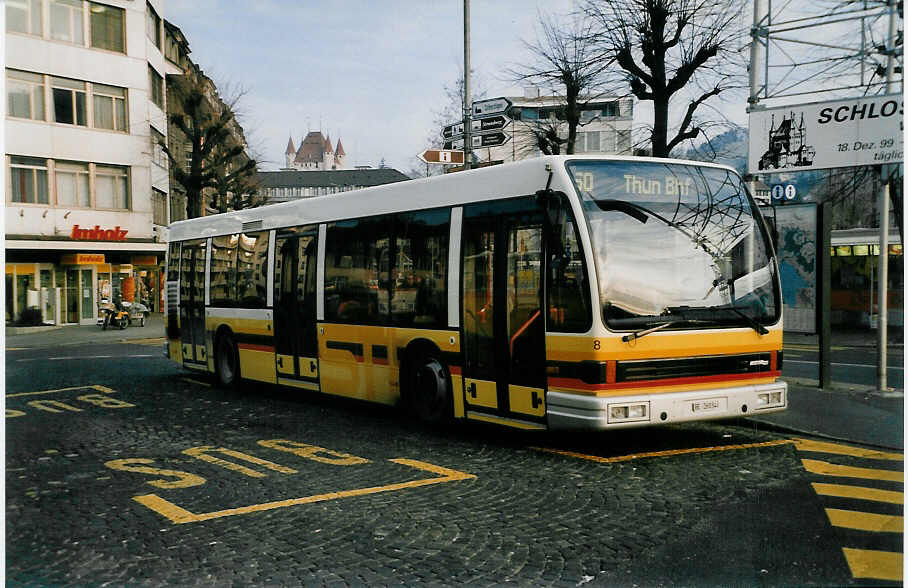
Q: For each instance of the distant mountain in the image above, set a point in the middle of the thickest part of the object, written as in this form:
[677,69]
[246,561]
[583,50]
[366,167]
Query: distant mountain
[729,148]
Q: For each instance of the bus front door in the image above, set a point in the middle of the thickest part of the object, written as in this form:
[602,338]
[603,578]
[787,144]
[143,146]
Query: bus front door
[192,303]
[503,319]
[296,341]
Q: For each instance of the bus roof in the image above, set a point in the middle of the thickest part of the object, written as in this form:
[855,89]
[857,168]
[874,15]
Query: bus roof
[519,178]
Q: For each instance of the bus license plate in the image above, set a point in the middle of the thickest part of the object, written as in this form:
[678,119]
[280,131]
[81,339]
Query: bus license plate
[706,405]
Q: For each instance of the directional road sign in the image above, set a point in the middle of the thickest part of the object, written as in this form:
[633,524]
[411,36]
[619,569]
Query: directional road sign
[447,156]
[492,106]
[491,139]
[452,130]
[490,123]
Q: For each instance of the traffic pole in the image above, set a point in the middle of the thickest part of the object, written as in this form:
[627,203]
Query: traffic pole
[467,102]
[883,270]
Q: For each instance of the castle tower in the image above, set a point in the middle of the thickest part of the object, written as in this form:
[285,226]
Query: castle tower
[290,153]
[339,156]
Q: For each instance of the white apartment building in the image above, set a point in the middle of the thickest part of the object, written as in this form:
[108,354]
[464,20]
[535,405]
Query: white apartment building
[86,184]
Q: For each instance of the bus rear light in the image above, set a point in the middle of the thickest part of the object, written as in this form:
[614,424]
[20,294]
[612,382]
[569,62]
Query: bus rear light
[770,399]
[618,413]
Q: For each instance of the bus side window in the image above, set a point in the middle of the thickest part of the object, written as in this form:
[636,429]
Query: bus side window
[568,289]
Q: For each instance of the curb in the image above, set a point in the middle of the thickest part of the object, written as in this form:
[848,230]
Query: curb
[30,330]
[770,426]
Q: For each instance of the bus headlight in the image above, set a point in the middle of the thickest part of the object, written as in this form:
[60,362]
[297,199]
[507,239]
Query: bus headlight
[628,412]
[769,399]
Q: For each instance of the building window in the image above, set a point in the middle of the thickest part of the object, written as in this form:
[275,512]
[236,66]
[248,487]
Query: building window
[156,87]
[153,25]
[69,101]
[25,94]
[110,105]
[107,27]
[592,141]
[112,187]
[610,109]
[72,184]
[23,16]
[158,155]
[66,21]
[28,179]
[159,206]
[171,48]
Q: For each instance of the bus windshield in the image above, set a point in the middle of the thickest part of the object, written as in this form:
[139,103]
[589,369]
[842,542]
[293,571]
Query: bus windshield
[676,246]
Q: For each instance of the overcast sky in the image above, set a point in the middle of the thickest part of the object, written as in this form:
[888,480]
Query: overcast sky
[370,73]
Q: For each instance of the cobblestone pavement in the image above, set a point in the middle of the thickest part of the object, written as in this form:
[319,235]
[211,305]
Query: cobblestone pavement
[132,471]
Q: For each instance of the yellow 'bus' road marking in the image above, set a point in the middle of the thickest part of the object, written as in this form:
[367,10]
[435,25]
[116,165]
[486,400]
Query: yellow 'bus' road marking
[179,515]
[667,453]
[859,493]
[865,521]
[830,469]
[97,387]
[877,565]
[824,447]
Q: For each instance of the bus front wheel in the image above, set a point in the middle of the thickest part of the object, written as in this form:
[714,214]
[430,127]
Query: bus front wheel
[227,362]
[429,389]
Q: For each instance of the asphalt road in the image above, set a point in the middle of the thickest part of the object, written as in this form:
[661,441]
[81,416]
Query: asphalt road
[849,364]
[122,468]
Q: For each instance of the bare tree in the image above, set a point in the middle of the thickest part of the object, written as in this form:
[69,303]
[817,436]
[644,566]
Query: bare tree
[670,51]
[207,151]
[566,64]
[451,111]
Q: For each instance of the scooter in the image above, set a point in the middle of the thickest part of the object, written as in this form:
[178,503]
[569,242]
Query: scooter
[112,315]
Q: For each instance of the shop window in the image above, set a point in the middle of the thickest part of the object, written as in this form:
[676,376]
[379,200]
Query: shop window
[109,107]
[252,270]
[23,16]
[71,180]
[66,21]
[25,94]
[112,187]
[28,180]
[107,27]
[223,270]
[69,102]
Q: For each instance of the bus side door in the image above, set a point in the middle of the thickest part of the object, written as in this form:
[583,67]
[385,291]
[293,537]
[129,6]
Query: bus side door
[192,302]
[502,317]
[296,341]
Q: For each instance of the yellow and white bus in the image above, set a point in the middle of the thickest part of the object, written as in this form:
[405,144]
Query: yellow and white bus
[564,292]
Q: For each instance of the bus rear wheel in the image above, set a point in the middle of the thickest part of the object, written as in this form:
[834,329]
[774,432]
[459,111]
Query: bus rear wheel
[226,362]
[429,389]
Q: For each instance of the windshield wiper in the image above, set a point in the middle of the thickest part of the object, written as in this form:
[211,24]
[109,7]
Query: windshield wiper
[749,320]
[659,327]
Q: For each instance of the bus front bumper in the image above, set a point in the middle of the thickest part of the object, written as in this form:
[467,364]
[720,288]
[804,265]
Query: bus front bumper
[575,411]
